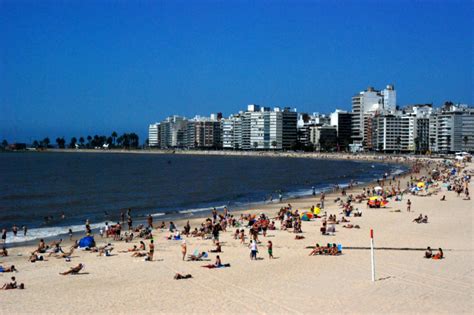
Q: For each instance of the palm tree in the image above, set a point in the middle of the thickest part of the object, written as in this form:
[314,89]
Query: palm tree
[35,144]
[4,143]
[46,142]
[81,141]
[61,142]
[73,142]
[114,136]
[255,145]
[89,139]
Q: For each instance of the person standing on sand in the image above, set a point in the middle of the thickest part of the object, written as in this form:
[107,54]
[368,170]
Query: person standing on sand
[150,221]
[130,223]
[151,251]
[270,249]
[4,236]
[408,205]
[253,250]
[321,200]
[184,249]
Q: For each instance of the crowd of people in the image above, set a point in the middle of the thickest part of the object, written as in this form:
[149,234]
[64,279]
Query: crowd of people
[250,229]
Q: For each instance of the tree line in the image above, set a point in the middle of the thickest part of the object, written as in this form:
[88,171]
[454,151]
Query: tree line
[124,141]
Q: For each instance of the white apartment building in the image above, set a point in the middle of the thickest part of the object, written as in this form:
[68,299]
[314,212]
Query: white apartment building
[365,105]
[452,129]
[153,135]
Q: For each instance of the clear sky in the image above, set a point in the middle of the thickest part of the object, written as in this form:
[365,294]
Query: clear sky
[74,68]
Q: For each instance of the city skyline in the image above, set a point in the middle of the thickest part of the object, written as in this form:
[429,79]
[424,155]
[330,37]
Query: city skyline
[128,66]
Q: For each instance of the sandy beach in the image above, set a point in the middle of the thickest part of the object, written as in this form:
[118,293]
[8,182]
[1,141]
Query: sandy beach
[292,283]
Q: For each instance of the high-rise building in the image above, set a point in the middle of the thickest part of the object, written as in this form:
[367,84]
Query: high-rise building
[289,129]
[342,120]
[451,129]
[365,105]
[172,132]
[323,137]
[154,135]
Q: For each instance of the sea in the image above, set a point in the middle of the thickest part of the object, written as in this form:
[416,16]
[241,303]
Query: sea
[52,192]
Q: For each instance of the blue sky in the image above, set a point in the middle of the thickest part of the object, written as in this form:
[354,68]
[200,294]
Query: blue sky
[74,68]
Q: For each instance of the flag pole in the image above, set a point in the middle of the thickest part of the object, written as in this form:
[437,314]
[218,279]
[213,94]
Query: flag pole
[372,254]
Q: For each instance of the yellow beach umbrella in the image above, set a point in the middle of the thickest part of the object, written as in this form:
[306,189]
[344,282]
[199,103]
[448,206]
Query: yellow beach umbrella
[316,210]
[421,184]
[374,198]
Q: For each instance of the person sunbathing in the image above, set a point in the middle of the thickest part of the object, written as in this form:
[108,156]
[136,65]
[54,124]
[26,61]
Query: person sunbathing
[35,257]
[107,251]
[443,198]
[41,247]
[425,219]
[217,264]
[4,252]
[133,249]
[438,255]
[179,276]
[351,226]
[197,257]
[12,285]
[139,254]
[8,269]
[428,253]
[142,245]
[67,254]
[56,248]
[334,250]
[218,248]
[419,219]
[73,270]
[316,251]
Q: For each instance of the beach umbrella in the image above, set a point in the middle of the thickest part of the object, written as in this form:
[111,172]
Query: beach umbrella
[378,188]
[306,216]
[317,211]
[383,203]
[375,198]
[420,184]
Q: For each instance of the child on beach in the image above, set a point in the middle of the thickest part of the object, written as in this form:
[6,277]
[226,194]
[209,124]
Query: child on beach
[242,236]
[408,205]
[270,249]
[183,249]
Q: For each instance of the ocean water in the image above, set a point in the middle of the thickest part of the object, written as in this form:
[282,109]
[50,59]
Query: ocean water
[99,186]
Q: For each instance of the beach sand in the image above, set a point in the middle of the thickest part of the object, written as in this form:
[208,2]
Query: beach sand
[292,283]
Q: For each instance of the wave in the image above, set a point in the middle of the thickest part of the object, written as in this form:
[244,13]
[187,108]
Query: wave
[191,211]
[39,233]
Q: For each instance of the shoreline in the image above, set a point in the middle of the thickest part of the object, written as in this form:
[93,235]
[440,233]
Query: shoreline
[280,285]
[178,215]
[374,157]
